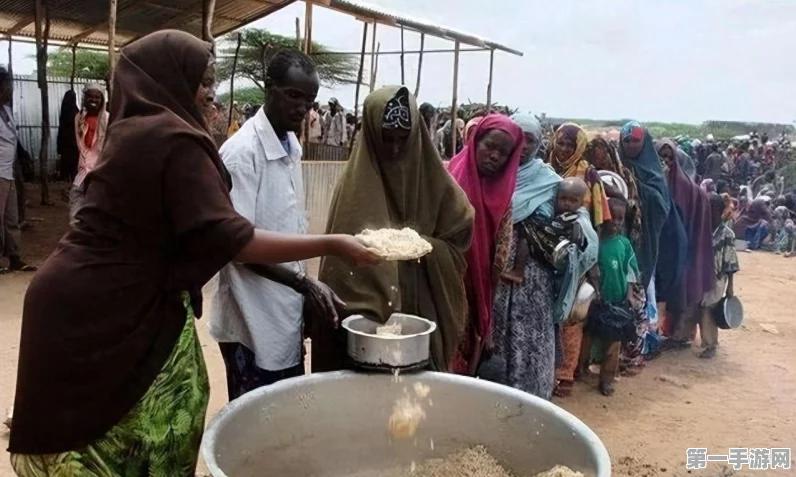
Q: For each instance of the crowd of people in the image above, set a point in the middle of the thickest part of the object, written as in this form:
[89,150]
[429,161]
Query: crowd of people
[544,263]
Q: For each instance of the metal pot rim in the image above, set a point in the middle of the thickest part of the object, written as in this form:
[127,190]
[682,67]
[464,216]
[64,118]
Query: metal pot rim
[209,440]
[431,328]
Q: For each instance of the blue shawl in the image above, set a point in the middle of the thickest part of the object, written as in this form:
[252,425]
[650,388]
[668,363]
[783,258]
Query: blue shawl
[579,262]
[536,188]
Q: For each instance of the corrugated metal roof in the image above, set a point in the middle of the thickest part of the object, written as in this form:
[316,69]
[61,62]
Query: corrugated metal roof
[86,20]
[380,15]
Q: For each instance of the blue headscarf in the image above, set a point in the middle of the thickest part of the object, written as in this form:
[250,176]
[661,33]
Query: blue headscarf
[536,181]
[653,193]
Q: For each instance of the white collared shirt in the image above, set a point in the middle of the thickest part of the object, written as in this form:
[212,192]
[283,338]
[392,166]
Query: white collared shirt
[8,145]
[267,189]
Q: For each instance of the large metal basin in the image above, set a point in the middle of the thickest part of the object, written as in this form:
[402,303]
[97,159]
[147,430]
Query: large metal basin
[336,424]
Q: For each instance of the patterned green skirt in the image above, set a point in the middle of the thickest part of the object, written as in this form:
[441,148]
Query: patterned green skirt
[160,436]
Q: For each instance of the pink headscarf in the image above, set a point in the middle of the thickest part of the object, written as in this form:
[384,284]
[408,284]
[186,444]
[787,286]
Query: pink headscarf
[491,199]
[470,127]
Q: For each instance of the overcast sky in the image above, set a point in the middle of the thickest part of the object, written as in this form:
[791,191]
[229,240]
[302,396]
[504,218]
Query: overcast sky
[673,60]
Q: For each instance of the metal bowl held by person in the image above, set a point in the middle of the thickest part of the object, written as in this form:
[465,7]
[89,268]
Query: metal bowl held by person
[341,424]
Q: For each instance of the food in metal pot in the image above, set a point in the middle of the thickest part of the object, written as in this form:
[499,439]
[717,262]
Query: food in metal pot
[389,330]
[473,462]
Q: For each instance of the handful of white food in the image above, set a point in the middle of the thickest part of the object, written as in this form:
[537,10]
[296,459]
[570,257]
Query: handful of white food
[394,244]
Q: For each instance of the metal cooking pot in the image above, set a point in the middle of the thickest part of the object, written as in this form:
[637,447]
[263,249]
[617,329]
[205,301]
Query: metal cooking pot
[728,313]
[336,424]
[583,299]
[372,351]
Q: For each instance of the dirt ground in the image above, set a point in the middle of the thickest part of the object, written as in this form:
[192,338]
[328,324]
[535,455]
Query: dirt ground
[746,397]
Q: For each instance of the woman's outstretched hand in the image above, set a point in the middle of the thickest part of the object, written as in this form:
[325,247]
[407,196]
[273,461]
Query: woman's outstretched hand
[351,249]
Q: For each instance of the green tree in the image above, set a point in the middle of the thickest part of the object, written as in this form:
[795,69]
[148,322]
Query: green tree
[89,64]
[258,47]
[250,95]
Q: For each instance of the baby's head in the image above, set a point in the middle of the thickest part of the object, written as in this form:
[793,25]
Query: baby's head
[571,192]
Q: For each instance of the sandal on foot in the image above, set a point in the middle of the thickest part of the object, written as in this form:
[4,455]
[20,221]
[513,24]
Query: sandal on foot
[563,389]
[22,267]
[709,353]
[607,389]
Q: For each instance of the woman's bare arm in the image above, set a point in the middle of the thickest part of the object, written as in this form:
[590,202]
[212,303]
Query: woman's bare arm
[267,248]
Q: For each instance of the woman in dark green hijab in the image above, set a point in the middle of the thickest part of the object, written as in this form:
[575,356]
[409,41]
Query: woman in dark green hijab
[395,179]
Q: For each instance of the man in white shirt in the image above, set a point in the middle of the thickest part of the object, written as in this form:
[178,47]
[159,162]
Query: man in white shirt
[10,237]
[334,125]
[316,130]
[258,311]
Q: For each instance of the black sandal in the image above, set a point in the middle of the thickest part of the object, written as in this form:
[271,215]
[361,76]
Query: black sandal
[708,353]
[607,389]
[21,267]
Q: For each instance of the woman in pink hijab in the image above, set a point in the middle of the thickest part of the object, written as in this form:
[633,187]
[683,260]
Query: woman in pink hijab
[486,169]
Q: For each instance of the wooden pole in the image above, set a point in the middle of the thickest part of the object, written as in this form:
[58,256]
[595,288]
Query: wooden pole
[454,106]
[411,52]
[376,68]
[10,68]
[373,59]
[111,44]
[308,51]
[208,9]
[232,83]
[308,28]
[489,86]
[74,67]
[42,28]
[298,33]
[420,64]
[359,80]
[403,77]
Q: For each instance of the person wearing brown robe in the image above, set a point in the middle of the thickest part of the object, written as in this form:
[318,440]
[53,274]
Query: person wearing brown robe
[111,376]
[395,179]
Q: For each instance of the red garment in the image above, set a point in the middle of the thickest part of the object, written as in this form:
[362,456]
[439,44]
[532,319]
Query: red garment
[91,131]
[491,199]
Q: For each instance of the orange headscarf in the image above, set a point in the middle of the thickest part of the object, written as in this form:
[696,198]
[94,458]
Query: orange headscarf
[576,165]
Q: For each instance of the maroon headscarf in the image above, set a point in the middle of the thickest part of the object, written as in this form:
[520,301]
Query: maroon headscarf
[491,199]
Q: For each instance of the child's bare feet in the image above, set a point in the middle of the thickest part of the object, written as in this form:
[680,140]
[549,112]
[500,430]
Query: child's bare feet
[512,276]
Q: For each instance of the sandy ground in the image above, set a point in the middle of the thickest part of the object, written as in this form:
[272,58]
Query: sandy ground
[746,397]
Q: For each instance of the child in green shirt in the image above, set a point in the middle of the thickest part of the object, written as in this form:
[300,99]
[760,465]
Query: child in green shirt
[611,319]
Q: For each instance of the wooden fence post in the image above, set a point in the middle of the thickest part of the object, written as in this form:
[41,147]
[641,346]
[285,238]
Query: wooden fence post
[42,35]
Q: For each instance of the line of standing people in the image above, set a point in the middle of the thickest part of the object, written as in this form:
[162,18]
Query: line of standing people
[123,388]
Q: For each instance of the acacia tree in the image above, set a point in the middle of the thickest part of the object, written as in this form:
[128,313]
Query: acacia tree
[246,95]
[89,64]
[259,46]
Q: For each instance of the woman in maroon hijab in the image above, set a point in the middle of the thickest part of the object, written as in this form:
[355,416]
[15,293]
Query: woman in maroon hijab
[486,169]
[111,376]
[699,278]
